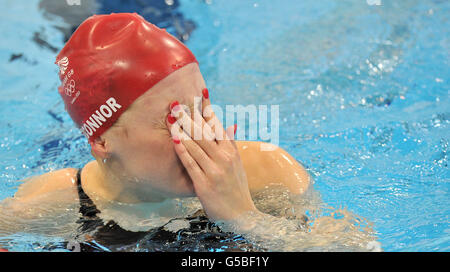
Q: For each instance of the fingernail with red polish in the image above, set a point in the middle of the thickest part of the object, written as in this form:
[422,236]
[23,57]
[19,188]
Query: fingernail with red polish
[175,103]
[176,140]
[205,93]
[235,128]
[171,119]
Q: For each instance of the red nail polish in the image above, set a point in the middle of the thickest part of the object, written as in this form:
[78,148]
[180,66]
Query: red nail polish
[171,119]
[235,128]
[205,93]
[175,103]
[176,140]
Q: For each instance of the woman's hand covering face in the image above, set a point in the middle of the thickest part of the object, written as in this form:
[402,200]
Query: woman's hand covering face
[211,158]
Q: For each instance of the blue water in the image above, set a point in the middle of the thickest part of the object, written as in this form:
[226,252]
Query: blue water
[363,93]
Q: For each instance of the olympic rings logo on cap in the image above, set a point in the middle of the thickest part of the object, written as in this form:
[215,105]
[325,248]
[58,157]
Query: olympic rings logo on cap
[70,88]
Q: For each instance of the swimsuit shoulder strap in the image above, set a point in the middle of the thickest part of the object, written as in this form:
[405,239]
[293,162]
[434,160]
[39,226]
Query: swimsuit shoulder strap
[87,207]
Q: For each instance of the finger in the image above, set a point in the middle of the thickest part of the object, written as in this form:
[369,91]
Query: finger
[211,118]
[207,132]
[209,115]
[196,129]
[213,121]
[205,103]
[174,127]
[196,152]
[183,117]
[195,172]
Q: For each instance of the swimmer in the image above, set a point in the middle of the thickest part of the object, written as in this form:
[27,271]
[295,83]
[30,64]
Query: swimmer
[130,86]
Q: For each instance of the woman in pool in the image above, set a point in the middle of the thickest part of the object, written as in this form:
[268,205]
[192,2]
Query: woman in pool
[130,87]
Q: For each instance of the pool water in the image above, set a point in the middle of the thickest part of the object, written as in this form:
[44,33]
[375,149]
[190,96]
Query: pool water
[363,93]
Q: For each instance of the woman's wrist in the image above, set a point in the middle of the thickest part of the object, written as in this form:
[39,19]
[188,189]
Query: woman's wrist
[242,223]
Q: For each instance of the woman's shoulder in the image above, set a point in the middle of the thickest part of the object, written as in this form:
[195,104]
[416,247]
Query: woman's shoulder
[266,164]
[45,184]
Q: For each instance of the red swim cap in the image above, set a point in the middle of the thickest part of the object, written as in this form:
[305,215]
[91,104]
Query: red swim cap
[109,62]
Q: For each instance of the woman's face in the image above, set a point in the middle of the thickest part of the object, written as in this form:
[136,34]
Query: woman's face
[139,145]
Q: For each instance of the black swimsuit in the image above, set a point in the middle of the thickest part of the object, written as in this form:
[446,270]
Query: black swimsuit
[106,234]
[201,235]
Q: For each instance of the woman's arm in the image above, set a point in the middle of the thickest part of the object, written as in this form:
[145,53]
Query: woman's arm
[37,186]
[38,197]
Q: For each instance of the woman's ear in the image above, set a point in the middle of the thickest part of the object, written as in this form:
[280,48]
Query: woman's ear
[99,148]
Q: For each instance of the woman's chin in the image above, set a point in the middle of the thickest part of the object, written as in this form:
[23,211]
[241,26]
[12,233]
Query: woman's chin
[188,190]
[183,187]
